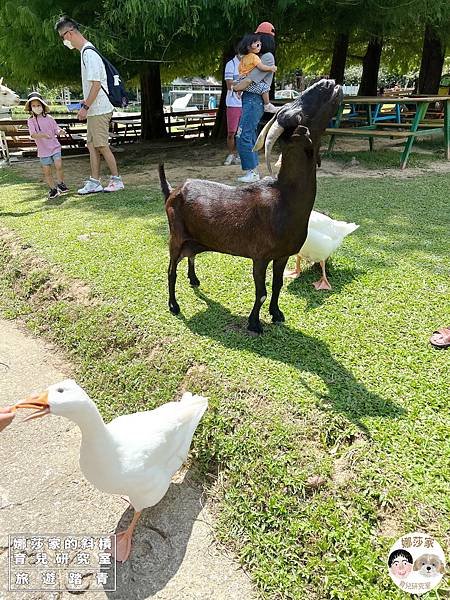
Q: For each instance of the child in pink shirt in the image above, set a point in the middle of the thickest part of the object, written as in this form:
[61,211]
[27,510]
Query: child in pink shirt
[44,131]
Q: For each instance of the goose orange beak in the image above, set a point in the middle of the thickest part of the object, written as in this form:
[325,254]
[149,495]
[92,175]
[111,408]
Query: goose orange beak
[38,402]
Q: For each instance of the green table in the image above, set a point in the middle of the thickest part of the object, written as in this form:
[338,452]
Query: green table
[408,131]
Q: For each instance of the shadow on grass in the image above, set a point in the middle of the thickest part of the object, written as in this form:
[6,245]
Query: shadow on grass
[47,201]
[38,196]
[125,204]
[307,354]
[302,286]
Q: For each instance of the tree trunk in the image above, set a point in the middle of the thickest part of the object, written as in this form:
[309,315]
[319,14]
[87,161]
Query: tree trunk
[339,59]
[152,111]
[371,66]
[219,131]
[433,55]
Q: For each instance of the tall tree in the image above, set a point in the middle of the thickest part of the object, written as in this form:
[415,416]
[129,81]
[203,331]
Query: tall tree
[433,55]
[141,35]
[339,57]
[152,109]
[371,66]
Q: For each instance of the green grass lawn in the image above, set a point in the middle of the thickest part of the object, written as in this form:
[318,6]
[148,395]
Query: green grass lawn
[388,158]
[327,437]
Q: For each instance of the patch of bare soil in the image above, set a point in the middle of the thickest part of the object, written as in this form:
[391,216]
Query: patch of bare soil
[48,283]
[202,158]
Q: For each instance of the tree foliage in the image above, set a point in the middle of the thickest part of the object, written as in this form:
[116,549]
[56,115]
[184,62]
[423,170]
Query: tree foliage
[190,38]
[30,50]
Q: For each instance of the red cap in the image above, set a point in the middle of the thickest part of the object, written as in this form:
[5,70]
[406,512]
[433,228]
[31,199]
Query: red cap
[266,27]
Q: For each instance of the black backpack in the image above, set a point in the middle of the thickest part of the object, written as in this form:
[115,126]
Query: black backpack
[117,93]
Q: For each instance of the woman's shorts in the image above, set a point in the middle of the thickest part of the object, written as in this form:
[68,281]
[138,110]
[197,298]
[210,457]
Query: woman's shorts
[48,161]
[233,116]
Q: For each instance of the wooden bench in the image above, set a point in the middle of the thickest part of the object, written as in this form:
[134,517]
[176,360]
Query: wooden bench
[372,133]
[362,132]
[407,124]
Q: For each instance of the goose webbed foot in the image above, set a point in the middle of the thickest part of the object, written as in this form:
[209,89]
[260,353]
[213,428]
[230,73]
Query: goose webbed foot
[123,540]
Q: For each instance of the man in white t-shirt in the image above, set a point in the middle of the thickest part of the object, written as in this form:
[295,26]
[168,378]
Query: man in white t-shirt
[234,109]
[96,107]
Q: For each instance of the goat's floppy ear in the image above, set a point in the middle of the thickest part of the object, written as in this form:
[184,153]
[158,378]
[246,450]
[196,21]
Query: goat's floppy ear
[1,80]
[262,136]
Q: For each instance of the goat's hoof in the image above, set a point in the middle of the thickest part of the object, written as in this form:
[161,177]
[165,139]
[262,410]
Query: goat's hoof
[194,282]
[174,308]
[277,317]
[255,328]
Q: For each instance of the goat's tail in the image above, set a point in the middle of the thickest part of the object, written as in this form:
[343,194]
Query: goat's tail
[165,185]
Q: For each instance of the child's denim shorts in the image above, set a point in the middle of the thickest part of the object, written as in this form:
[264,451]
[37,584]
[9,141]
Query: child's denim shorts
[47,161]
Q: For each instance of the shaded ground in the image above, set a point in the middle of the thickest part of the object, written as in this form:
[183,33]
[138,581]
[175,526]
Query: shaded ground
[203,158]
[43,491]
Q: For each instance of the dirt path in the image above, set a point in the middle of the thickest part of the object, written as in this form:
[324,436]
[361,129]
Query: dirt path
[43,491]
[138,163]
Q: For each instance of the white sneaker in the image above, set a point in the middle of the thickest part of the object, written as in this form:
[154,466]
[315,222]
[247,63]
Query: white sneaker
[270,108]
[229,160]
[115,184]
[91,186]
[237,160]
[250,177]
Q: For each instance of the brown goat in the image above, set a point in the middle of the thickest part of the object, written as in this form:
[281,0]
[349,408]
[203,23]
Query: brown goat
[265,221]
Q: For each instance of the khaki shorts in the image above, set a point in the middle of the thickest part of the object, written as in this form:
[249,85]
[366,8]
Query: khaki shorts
[98,130]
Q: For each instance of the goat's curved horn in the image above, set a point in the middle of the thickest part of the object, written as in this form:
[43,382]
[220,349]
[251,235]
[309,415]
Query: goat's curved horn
[274,133]
[262,136]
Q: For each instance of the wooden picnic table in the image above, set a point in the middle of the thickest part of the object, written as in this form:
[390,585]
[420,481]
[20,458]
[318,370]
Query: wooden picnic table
[418,126]
[126,127]
[191,121]
[180,123]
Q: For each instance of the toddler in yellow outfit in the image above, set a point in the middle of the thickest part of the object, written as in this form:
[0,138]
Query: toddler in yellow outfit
[249,48]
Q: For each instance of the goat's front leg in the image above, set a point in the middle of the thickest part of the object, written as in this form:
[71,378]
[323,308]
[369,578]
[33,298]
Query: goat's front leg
[174,307]
[277,284]
[259,277]
[193,279]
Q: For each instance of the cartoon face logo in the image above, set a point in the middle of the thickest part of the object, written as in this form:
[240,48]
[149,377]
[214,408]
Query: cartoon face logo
[400,563]
[429,565]
[416,563]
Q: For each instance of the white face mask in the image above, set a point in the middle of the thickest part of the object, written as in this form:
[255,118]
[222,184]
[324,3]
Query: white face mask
[37,110]
[68,44]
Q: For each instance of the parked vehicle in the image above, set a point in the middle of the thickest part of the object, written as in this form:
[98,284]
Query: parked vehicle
[286,94]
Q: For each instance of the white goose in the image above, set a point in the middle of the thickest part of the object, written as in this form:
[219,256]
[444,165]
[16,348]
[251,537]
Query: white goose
[134,454]
[325,235]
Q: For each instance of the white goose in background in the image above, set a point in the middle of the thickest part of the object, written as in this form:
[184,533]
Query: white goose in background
[136,455]
[325,235]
